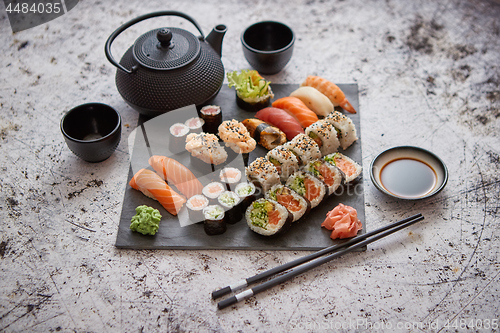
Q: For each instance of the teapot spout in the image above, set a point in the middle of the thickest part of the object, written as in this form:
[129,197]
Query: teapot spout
[215,38]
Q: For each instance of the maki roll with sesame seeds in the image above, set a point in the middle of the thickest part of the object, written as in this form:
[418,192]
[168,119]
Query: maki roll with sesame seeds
[262,173]
[268,218]
[296,204]
[304,148]
[230,201]
[215,220]
[325,135]
[346,131]
[284,160]
[349,167]
[177,138]
[212,116]
[331,175]
[308,186]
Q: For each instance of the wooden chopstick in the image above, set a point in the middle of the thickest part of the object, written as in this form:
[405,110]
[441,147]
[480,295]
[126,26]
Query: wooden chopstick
[308,262]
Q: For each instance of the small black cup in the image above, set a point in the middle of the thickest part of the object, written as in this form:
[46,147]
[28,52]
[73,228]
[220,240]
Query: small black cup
[268,46]
[92,131]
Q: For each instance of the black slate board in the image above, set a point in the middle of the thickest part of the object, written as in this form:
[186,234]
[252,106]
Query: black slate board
[306,234]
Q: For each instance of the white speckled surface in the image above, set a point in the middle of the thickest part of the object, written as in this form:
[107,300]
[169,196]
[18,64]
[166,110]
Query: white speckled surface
[429,75]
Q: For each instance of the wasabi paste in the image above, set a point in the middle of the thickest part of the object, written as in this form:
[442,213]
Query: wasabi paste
[146,220]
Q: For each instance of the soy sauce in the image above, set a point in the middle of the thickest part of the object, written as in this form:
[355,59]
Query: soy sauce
[408,177]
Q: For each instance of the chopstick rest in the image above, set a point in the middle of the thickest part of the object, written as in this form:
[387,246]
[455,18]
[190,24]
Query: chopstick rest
[308,262]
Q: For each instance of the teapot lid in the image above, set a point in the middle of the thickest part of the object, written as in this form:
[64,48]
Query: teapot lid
[166,48]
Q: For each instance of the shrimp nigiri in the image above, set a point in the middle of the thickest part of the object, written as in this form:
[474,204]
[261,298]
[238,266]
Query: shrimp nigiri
[330,90]
[298,109]
[152,186]
[176,173]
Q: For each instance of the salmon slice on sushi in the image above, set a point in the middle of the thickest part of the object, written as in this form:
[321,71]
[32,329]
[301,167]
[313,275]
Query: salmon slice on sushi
[154,187]
[308,186]
[331,175]
[267,217]
[296,204]
[349,167]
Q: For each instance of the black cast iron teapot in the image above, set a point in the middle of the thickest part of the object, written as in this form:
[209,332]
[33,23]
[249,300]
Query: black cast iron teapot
[168,68]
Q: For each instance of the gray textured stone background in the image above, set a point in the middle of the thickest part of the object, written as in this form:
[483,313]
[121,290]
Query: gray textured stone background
[429,75]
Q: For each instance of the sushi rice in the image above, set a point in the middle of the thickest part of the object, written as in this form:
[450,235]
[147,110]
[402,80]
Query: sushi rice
[267,217]
[325,135]
[346,131]
[296,204]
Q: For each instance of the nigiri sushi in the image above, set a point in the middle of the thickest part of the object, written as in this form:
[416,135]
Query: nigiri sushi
[330,90]
[281,119]
[266,135]
[236,136]
[176,173]
[314,100]
[206,147]
[152,186]
[298,109]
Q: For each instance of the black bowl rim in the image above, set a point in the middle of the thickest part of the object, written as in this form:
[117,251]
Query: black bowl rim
[380,187]
[248,47]
[113,132]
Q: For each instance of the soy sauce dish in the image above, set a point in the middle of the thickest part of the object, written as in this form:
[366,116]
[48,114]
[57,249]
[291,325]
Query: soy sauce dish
[409,173]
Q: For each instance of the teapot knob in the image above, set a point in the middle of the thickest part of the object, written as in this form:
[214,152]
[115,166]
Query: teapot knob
[164,36]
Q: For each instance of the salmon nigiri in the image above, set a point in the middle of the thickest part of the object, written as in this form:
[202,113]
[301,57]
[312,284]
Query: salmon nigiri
[176,173]
[298,109]
[281,119]
[152,186]
[330,90]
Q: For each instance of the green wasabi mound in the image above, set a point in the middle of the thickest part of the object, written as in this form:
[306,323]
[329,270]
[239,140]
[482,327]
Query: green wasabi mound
[146,220]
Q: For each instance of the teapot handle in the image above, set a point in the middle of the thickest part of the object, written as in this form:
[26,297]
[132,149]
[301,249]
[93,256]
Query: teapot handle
[107,48]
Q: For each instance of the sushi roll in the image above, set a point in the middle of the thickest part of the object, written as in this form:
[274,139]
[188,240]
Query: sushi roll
[284,160]
[195,206]
[350,168]
[205,147]
[264,134]
[212,191]
[230,201]
[325,135]
[212,116]
[307,186]
[346,131]
[267,217]
[195,124]
[331,175]
[215,220]
[230,177]
[177,139]
[253,92]
[304,148]
[296,204]
[262,173]
[247,193]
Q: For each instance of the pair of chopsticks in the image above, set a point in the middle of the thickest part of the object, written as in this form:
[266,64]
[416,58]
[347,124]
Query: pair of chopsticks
[303,264]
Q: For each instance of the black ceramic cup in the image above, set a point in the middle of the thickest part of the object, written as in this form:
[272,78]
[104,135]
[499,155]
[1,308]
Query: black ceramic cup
[268,46]
[92,131]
